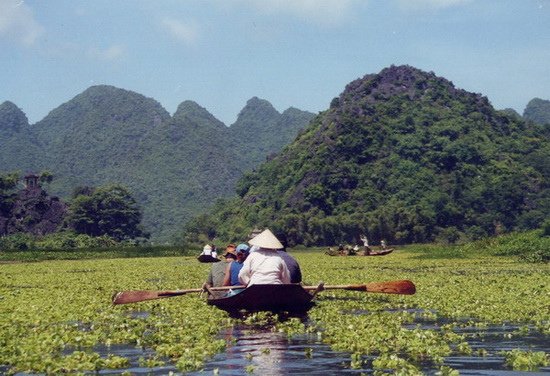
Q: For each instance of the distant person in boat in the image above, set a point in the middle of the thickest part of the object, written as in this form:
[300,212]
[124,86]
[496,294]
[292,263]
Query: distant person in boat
[217,272]
[292,265]
[231,277]
[383,245]
[207,250]
[265,266]
[366,247]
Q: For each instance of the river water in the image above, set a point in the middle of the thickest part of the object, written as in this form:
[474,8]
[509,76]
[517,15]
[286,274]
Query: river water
[253,351]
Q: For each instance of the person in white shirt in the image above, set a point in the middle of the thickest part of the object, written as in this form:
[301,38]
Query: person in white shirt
[207,250]
[265,266]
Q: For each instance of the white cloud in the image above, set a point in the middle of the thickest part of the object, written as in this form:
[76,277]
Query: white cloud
[429,4]
[329,12]
[17,22]
[112,53]
[184,32]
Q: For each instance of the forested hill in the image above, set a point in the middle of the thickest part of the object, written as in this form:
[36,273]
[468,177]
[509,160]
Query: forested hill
[402,155]
[260,130]
[18,145]
[538,111]
[176,166]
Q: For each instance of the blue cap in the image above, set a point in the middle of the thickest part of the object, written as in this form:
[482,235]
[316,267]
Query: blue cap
[243,248]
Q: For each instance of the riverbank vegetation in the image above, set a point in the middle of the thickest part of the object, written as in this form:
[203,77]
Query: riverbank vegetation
[56,316]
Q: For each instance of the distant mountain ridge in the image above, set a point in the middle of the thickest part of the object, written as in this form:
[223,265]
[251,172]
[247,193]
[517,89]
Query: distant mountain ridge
[176,166]
[402,155]
[538,111]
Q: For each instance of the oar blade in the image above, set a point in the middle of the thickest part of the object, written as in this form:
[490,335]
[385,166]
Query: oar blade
[403,287]
[125,297]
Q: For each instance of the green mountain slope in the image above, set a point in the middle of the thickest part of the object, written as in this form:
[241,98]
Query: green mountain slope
[96,137]
[18,147]
[260,130]
[175,166]
[401,155]
[538,111]
[187,165]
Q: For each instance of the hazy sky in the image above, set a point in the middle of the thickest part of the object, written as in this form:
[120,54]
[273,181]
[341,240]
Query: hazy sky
[299,53]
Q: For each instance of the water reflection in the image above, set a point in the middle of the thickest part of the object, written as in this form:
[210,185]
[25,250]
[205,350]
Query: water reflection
[264,352]
[260,351]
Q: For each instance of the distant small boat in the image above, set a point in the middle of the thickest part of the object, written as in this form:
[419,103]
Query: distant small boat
[207,258]
[276,298]
[379,253]
[383,252]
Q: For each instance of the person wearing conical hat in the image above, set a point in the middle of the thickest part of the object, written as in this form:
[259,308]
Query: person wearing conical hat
[265,266]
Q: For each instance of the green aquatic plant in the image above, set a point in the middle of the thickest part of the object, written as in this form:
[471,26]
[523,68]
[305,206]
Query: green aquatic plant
[526,360]
[397,365]
[56,315]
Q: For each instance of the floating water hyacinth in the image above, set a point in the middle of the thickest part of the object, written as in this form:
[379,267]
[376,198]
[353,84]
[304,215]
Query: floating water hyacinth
[56,316]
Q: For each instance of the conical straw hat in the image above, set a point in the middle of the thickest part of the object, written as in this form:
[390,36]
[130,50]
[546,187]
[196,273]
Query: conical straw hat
[267,240]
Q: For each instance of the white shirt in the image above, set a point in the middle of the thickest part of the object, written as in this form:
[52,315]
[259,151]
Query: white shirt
[264,267]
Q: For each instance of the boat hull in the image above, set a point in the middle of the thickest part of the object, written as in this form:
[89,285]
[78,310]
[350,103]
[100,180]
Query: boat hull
[379,253]
[275,298]
[207,258]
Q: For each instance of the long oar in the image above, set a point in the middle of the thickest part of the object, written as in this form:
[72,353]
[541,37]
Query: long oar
[403,287]
[135,296]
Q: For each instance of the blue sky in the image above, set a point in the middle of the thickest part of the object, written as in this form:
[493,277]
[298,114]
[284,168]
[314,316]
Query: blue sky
[299,53]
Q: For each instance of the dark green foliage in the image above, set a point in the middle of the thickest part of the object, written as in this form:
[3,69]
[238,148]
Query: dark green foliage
[531,246]
[402,156]
[8,183]
[510,112]
[538,111]
[117,251]
[109,210]
[55,241]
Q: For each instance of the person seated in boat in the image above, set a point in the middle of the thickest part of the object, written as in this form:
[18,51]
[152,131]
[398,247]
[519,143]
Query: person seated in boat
[341,250]
[331,252]
[383,245]
[217,272]
[207,250]
[292,265]
[352,251]
[232,270]
[265,266]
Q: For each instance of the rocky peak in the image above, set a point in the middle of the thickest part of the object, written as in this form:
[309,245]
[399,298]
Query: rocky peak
[258,111]
[192,111]
[12,118]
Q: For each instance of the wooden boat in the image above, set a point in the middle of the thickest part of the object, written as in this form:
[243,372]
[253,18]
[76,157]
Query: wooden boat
[276,298]
[361,253]
[207,258]
[379,253]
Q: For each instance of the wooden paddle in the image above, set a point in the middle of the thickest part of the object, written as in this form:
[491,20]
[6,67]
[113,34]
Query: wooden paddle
[124,297]
[403,287]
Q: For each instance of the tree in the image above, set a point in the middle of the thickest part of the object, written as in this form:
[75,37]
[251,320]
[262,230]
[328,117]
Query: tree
[46,177]
[109,210]
[8,183]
